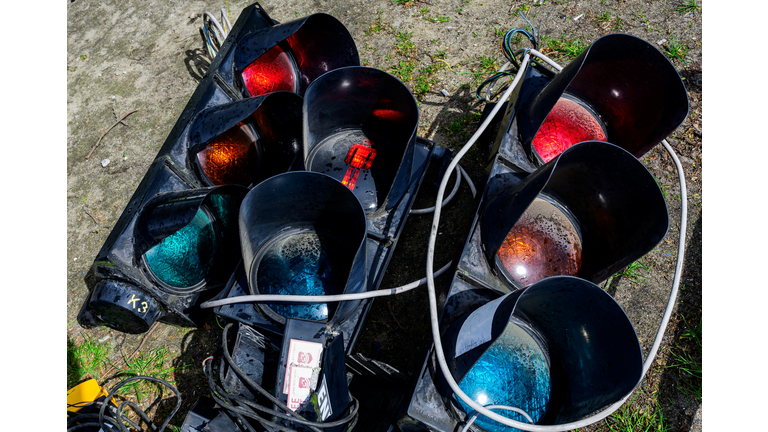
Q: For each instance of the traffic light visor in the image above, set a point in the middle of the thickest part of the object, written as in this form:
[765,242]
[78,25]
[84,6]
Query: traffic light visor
[246,141]
[291,55]
[184,239]
[309,240]
[559,350]
[360,128]
[589,212]
[628,88]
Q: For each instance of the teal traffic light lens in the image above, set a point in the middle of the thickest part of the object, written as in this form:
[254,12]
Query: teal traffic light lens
[305,263]
[184,258]
[514,371]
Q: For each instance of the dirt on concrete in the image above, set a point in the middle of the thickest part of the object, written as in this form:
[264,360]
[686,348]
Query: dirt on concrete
[148,56]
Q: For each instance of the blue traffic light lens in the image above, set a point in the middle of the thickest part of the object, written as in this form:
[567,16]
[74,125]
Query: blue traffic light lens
[514,371]
[306,263]
[184,258]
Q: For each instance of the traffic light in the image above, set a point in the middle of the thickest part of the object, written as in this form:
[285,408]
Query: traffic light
[567,205]
[359,134]
[558,350]
[620,89]
[173,245]
[304,233]
[360,128]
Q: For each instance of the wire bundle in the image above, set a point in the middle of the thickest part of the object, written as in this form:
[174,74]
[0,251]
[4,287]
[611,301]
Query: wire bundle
[214,33]
[243,408]
[100,420]
[512,66]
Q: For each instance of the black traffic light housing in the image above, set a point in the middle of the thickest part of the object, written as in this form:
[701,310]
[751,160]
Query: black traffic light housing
[608,204]
[221,144]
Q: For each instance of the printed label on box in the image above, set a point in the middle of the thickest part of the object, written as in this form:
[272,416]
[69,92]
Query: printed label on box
[299,390]
[303,354]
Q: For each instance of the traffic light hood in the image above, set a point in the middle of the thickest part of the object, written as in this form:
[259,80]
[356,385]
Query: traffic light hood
[591,353]
[360,127]
[304,233]
[318,43]
[616,202]
[632,87]
[273,136]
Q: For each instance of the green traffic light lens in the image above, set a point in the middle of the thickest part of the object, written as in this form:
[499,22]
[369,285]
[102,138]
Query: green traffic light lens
[514,371]
[184,258]
[305,263]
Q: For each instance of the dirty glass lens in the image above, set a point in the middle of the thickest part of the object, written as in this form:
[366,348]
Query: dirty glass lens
[231,158]
[514,371]
[184,258]
[543,243]
[303,264]
[567,124]
[271,72]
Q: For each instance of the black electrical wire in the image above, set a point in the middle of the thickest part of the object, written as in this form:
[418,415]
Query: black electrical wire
[241,407]
[103,419]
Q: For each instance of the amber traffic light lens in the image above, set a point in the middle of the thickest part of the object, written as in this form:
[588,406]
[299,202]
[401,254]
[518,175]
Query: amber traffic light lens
[231,158]
[271,72]
[567,124]
[543,243]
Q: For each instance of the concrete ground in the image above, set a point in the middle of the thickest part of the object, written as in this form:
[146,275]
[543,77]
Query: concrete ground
[148,56]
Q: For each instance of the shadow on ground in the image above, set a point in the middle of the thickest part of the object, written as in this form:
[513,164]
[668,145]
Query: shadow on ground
[675,386]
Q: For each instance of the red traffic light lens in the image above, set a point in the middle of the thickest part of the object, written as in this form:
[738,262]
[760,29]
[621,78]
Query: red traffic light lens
[567,124]
[231,158]
[271,72]
[544,242]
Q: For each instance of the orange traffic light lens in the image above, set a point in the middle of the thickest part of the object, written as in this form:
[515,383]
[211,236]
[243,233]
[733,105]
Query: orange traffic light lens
[271,72]
[567,124]
[231,158]
[544,242]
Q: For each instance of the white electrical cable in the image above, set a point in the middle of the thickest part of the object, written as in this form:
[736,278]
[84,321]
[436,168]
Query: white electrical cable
[517,410]
[261,298]
[447,200]
[433,300]
[217,27]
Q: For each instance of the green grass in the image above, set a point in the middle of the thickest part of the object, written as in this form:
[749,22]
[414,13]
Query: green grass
[689,362]
[151,363]
[403,70]
[565,46]
[87,359]
[688,6]
[459,124]
[676,50]
[604,17]
[634,271]
[632,419]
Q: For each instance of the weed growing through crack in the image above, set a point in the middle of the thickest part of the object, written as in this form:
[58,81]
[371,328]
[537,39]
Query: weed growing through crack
[86,359]
[688,6]
[676,50]
[634,271]
[604,17]
[565,46]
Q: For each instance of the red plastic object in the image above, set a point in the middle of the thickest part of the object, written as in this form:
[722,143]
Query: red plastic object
[272,71]
[567,124]
[360,157]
